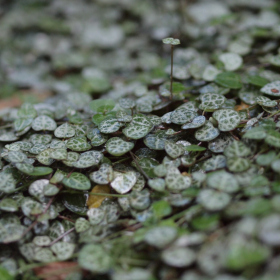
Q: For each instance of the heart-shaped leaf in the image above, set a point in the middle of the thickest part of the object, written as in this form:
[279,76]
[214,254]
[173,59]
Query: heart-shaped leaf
[223,181]
[213,200]
[207,132]
[88,159]
[175,181]
[174,150]
[229,80]
[118,147]
[109,125]
[43,123]
[196,122]
[231,61]
[211,101]
[272,89]
[171,41]
[228,119]
[182,115]
[77,181]
[103,176]
[178,257]
[65,130]
[94,258]
[63,250]
[78,144]
[102,105]
[123,182]
[138,128]
[161,236]
[7,182]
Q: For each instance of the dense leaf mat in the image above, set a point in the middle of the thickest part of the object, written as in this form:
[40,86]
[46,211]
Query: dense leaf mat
[125,173]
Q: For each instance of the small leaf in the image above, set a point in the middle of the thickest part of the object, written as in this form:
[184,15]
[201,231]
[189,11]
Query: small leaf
[161,236]
[77,181]
[227,119]
[102,105]
[88,159]
[175,181]
[257,80]
[94,258]
[194,148]
[231,61]
[63,250]
[44,123]
[109,125]
[118,147]
[78,144]
[65,130]
[272,89]
[229,80]
[213,200]
[7,183]
[171,41]
[81,225]
[138,128]
[103,176]
[95,201]
[207,132]
[123,182]
[178,257]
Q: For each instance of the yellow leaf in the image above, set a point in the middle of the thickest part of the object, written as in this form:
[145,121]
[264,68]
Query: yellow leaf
[241,107]
[94,201]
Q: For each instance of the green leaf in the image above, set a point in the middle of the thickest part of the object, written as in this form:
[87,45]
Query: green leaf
[161,236]
[273,138]
[7,183]
[102,105]
[65,130]
[272,89]
[211,101]
[213,200]
[41,171]
[207,132]
[5,275]
[109,125]
[27,111]
[231,61]
[171,41]
[88,159]
[182,115]
[257,81]
[77,181]
[229,80]
[138,128]
[175,181]
[223,181]
[78,144]
[118,147]
[103,176]
[227,119]
[178,257]
[94,258]
[43,123]
[194,148]
[123,182]
[161,208]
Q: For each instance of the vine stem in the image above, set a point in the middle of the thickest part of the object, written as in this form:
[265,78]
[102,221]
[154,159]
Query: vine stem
[61,236]
[137,164]
[171,73]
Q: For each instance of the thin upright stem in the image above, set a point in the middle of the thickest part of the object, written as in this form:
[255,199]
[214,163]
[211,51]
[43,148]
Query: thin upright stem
[171,73]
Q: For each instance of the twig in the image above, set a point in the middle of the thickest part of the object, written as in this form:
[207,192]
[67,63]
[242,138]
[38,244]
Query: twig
[61,236]
[137,164]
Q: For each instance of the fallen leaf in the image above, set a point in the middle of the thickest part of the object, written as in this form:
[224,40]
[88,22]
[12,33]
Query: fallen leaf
[95,201]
